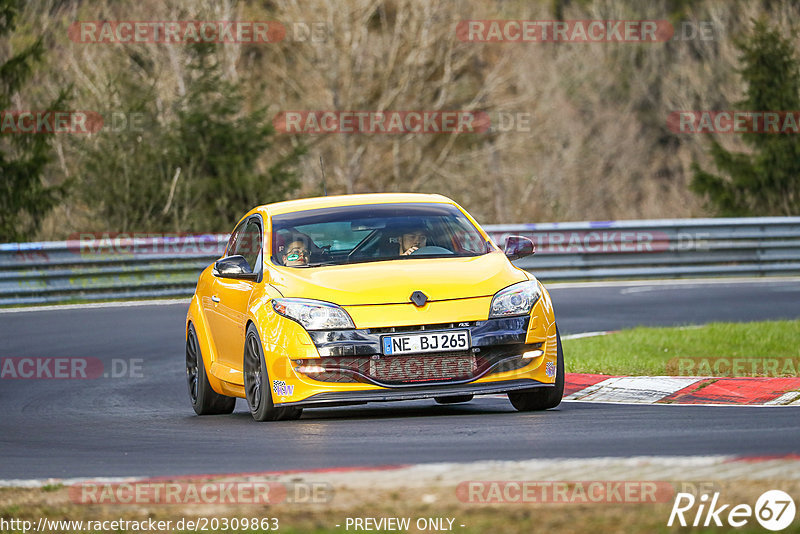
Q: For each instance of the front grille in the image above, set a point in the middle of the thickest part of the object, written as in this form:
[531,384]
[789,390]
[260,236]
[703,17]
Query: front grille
[423,368]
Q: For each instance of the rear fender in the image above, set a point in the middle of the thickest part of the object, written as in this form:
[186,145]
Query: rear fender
[196,317]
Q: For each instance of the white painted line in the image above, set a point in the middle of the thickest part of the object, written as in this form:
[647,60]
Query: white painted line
[92,305]
[633,389]
[573,398]
[588,334]
[787,398]
[580,394]
[672,282]
[39,482]
[638,289]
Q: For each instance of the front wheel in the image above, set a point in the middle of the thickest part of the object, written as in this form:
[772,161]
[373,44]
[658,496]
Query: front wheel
[542,398]
[256,383]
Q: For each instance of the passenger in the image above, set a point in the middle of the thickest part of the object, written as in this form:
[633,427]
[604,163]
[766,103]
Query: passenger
[296,254]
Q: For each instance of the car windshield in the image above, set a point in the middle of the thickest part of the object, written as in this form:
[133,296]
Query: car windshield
[379,232]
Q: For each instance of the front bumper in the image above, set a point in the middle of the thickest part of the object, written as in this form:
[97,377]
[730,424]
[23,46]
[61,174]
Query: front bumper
[350,356]
[498,343]
[497,346]
[344,398]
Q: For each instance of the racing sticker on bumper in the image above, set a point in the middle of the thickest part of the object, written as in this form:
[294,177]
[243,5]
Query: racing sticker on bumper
[550,369]
[280,388]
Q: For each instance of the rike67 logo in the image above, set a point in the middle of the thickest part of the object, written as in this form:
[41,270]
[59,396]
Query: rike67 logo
[774,510]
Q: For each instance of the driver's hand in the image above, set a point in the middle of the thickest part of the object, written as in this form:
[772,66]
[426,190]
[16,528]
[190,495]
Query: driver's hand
[410,251]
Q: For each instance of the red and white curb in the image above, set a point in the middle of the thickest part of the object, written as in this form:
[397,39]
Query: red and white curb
[753,391]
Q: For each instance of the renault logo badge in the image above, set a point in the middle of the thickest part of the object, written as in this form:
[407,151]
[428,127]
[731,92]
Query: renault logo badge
[419,298]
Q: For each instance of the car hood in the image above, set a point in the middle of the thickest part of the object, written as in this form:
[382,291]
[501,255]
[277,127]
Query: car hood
[392,282]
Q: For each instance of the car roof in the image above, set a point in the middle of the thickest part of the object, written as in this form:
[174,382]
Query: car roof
[290,206]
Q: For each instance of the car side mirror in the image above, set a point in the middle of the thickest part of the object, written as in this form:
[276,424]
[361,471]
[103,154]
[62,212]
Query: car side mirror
[518,247]
[235,267]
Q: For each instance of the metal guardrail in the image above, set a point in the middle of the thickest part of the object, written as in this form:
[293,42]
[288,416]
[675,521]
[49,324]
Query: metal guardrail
[664,248]
[117,267]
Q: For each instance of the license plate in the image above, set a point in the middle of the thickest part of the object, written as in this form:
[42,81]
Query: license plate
[451,340]
[422,368]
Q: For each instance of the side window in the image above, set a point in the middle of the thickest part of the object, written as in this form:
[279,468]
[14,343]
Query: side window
[466,237]
[235,236]
[248,243]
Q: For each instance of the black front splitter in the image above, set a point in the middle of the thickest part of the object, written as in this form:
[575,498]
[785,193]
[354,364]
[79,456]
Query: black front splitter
[341,398]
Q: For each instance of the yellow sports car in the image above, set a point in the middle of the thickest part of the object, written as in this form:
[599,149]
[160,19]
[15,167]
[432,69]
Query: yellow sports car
[345,300]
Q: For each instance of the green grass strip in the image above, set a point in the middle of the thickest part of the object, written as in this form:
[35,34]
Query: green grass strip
[658,351]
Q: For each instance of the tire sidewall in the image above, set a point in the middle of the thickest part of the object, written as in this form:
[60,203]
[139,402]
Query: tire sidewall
[543,398]
[266,409]
[202,379]
[208,401]
[560,378]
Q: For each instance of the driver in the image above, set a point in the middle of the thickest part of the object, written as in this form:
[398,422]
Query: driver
[296,254]
[412,240]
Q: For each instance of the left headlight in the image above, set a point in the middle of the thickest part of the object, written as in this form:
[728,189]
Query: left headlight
[313,314]
[515,300]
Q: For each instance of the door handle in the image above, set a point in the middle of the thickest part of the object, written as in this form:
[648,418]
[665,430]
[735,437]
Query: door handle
[215,298]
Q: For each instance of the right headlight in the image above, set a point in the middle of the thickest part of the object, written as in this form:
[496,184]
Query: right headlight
[313,314]
[515,300]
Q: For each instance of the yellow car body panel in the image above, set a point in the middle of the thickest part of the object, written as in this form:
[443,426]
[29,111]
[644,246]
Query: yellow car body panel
[388,281]
[374,294]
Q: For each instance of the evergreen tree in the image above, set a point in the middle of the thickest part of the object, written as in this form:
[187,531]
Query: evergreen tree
[766,182]
[195,169]
[24,198]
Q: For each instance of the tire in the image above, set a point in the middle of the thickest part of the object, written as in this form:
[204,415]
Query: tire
[454,400]
[205,400]
[257,384]
[542,398]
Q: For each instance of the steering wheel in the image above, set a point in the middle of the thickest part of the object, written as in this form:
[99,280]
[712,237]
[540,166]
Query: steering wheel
[423,251]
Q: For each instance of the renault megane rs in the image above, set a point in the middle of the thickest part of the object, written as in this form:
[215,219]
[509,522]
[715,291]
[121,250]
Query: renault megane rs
[344,300]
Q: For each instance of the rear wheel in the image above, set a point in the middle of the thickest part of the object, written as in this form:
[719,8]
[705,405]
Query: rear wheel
[454,400]
[205,400]
[256,383]
[542,398]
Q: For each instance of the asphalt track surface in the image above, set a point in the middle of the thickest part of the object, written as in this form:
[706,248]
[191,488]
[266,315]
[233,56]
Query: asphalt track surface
[144,425]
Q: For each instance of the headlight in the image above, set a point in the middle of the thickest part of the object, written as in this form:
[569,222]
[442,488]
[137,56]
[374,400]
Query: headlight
[515,300]
[313,314]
